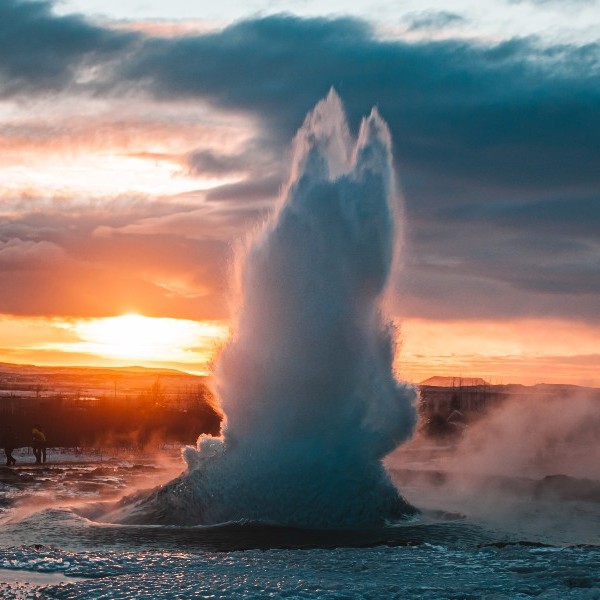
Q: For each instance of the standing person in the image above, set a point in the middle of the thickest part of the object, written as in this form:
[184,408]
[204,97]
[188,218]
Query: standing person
[39,444]
[9,443]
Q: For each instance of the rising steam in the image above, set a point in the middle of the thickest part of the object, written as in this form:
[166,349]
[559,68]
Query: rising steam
[306,382]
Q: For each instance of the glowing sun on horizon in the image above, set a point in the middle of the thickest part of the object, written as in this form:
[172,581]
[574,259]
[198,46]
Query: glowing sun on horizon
[138,338]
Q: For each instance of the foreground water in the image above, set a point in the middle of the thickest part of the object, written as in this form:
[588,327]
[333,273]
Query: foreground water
[525,545]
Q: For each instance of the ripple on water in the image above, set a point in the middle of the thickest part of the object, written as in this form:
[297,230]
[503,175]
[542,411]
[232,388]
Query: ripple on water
[425,571]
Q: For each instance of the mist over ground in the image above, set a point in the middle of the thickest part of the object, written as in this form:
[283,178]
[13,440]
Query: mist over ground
[530,464]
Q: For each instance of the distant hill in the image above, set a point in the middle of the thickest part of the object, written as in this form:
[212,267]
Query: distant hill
[97,381]
[439,381]
[107,371]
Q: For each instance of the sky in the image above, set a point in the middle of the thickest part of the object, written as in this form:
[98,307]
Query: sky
[141,139]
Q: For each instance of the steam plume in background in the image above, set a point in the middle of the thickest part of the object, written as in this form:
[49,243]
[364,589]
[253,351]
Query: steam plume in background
[306,382]
[530,465]
[535,437]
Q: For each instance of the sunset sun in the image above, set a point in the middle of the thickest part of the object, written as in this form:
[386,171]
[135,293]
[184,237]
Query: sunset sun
[139,338]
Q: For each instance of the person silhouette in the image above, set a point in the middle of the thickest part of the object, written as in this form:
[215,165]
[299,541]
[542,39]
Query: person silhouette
[9,443]
[38,444]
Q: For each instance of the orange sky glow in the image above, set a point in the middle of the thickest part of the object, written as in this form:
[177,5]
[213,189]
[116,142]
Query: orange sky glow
[113,341]
[528,351]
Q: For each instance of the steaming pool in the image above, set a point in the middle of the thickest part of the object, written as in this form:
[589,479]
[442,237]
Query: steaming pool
[49,549]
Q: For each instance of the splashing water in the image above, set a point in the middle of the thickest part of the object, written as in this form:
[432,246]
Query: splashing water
[307,381]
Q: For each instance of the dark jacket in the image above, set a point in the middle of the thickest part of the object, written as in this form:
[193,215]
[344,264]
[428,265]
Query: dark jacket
[9,439]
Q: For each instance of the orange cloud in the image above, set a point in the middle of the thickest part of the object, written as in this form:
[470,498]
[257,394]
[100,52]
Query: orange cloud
[110,147]
[159,277]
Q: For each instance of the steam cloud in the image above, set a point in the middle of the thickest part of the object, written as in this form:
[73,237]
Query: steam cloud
[306,381]
[529,466]
[535,437]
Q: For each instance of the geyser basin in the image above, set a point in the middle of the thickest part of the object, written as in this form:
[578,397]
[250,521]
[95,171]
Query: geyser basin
[307,381]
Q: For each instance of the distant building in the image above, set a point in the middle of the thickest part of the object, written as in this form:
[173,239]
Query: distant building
[441,381]
[469,400]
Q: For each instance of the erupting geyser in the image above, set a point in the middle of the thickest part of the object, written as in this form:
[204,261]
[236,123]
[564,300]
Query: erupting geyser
[306,381]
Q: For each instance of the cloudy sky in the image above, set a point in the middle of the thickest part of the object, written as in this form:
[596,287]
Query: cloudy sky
[139,139]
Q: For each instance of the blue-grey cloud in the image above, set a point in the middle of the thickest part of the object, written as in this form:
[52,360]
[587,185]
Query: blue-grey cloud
[244,191]
[208,162]
[40,51]
[259,159]
[576,216]
[500,114]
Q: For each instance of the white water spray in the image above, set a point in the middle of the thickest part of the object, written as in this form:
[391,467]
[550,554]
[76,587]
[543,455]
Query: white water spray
[306,382]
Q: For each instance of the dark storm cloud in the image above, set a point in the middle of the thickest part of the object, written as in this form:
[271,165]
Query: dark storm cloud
[40,51]
[577,217]
[207,162]
[524,251]
[515,114]
[258,159]
[442,293]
